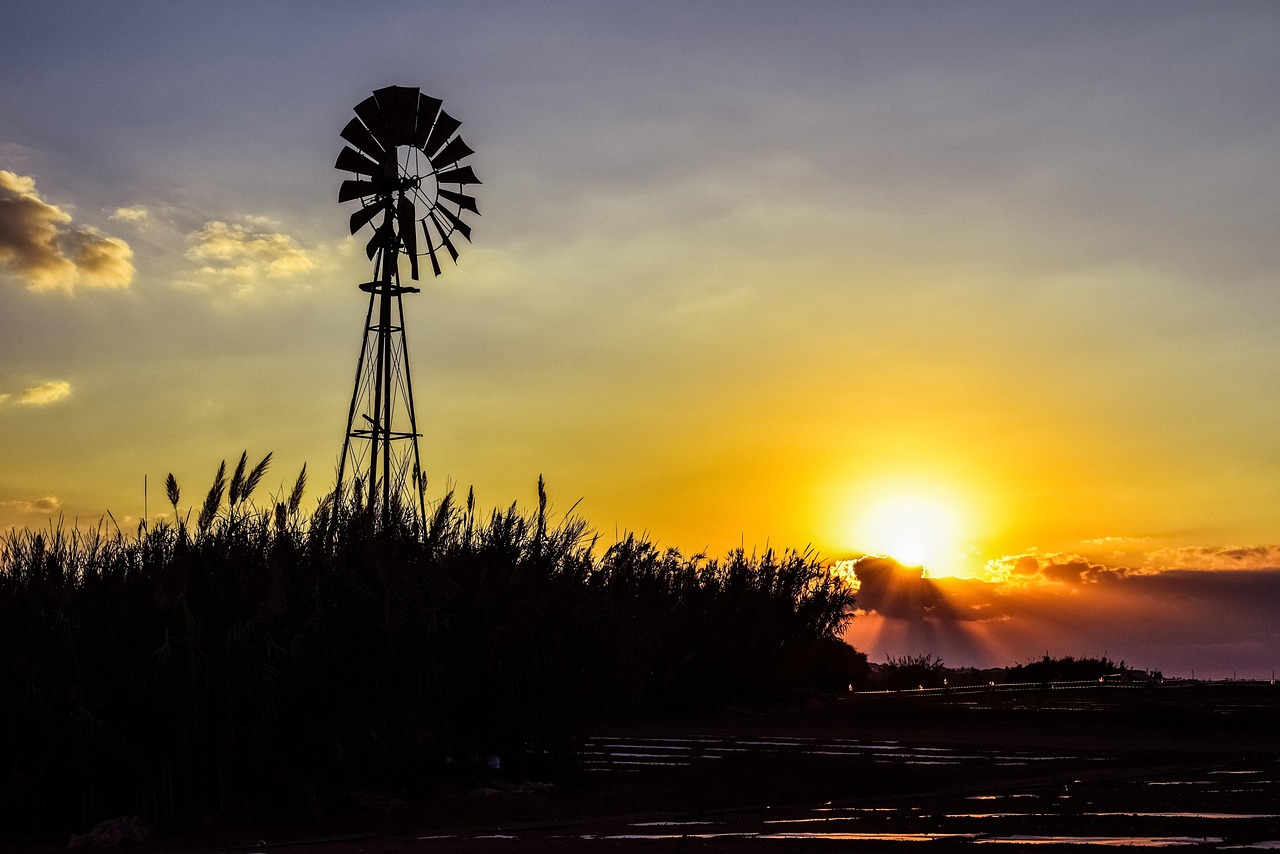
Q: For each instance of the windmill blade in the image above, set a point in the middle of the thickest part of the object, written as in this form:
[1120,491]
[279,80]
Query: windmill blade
[428,109]
[399,107]
[407,110]
[361,218]
[358,135]
[381,237]
[431,250]
[406,217]
[451,153]
[462,201]
[444,237]
[461,175]
[444,127]
[359,189]
[458,225]
[353,161]
[371,115]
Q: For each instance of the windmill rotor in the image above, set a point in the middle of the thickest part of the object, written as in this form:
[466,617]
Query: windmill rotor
[406,155]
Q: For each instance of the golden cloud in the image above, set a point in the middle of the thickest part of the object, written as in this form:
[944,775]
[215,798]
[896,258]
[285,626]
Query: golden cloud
[1215,557]
[40,395]
[1072,570]
[48,505]
[136,214]
[239,256]
[39,246]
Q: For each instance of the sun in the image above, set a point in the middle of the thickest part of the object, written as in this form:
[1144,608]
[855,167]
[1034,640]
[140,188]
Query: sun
[916,530]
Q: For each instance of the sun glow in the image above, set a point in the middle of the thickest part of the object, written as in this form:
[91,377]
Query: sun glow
[916,530]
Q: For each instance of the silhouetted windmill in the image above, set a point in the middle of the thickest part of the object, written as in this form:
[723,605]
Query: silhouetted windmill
[403,149]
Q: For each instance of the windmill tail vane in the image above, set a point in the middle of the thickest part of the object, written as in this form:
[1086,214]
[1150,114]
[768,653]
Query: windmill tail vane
[412,190]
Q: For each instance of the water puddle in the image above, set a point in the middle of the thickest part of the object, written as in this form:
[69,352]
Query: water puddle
[1227,815]
[663,835]
[670,823]
[1134,841]
[873,837]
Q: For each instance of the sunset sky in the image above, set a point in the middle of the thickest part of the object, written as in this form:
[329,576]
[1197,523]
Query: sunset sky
[990,286]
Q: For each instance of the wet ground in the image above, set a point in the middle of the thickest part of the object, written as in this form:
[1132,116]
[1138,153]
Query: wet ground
[1173,766]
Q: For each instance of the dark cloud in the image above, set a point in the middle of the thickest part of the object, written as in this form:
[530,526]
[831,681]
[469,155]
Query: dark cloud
[39,246]
[1214,621]
[905,593]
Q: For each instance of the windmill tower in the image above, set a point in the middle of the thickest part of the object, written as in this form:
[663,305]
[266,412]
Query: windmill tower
[403,149]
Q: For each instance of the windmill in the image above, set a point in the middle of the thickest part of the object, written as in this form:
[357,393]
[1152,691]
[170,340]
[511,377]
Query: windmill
[404,152]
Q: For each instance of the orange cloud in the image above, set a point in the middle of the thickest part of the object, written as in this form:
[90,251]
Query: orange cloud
[1220,557]
[1055,567]
[1205,609]
[39,247]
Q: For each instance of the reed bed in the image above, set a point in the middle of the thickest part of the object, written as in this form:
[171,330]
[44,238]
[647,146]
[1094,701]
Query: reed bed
[263,659]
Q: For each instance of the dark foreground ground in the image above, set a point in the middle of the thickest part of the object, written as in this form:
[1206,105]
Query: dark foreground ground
[1168,766]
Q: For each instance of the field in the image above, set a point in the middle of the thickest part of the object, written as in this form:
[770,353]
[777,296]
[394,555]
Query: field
[1171,765]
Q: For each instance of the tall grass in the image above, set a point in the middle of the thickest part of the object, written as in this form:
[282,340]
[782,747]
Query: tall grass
[264,659]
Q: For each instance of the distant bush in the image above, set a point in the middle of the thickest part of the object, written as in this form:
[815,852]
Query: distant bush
[912,671]
[1066,669]
[265,659]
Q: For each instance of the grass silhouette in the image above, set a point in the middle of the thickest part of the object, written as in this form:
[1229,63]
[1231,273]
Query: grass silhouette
[264,659]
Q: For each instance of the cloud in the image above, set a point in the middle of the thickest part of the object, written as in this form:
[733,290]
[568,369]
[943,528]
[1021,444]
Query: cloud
[239,257]
[1220,557]
[1208,609]
[39,246]
[906,593]
[137,214]
[48,505]
[39,395]
[1054,567]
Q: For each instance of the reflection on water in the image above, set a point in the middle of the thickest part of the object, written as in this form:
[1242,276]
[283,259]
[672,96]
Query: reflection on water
[621,753]
[1134,841]
[876,837]
[1176,809]
[662,835]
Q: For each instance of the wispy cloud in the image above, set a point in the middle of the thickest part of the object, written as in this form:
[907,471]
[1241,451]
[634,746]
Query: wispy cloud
[138,215]
[48,505]
[240,257]
[1219,557]
[40,247]
[39,395]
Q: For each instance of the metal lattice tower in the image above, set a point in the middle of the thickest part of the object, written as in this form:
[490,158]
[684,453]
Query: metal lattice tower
[404,148]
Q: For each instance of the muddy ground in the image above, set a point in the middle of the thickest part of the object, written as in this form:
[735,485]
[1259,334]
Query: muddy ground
[1173,765]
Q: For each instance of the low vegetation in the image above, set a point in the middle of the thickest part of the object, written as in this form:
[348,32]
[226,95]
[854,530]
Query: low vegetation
[261,658]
